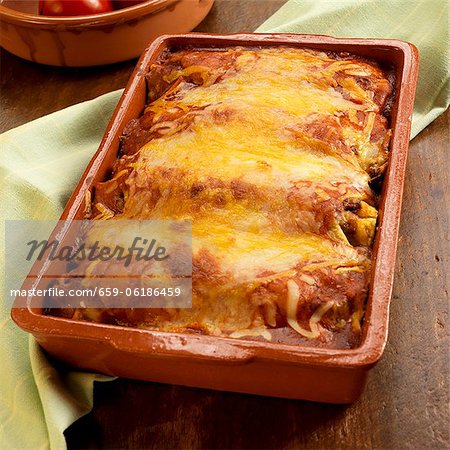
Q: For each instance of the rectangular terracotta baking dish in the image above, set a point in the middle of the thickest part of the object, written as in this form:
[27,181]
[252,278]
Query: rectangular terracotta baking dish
[316,374]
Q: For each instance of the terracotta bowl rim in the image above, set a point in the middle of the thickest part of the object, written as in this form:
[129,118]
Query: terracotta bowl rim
[131,12]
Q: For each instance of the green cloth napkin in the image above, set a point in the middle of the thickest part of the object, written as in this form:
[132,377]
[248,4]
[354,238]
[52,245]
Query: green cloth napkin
[42,161]
[40,165]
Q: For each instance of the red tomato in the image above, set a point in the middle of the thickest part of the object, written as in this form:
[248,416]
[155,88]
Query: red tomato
[73,7]
[119,4]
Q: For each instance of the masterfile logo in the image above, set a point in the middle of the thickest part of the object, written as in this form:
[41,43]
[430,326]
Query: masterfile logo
[99,263]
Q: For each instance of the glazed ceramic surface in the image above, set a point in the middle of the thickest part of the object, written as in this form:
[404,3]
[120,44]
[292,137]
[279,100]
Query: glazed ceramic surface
[96,39]
[327,375]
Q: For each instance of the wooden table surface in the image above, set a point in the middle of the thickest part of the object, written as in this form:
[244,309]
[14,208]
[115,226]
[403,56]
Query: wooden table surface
[405,404]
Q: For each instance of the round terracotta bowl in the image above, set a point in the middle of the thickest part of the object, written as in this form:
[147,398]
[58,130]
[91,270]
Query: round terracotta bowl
[95,39]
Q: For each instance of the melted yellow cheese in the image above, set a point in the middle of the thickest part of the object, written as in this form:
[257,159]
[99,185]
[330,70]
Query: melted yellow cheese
[247,254]
[245,149]
[260,161]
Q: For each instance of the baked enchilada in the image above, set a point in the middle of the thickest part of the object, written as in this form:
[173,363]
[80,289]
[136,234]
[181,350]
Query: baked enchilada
[275,155]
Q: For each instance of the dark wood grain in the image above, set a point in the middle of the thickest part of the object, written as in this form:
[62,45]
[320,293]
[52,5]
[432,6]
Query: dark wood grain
[30,90]
[405,404]
[235,16]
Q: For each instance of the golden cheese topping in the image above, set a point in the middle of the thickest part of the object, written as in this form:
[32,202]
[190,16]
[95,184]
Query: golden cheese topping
[270,153]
